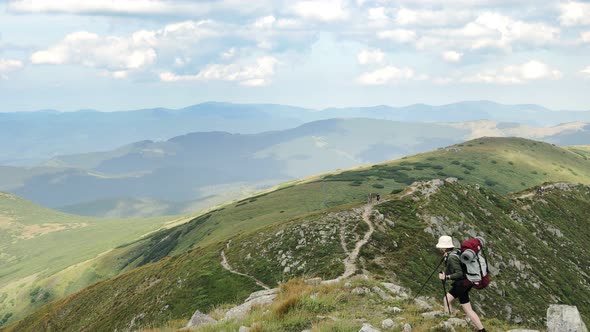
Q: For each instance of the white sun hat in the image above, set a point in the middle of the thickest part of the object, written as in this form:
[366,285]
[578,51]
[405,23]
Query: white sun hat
[445,242]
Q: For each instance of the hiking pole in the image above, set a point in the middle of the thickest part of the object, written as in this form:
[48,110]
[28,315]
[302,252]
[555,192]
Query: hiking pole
[445,295]
[424,284]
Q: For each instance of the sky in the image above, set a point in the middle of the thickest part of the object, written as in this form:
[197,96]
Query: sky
[130,54]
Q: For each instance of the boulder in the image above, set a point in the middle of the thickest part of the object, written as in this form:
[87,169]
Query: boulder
[394,310]
[260,298]
[422,304]
[395,289]
[368,328]
[432,314]
[199,319]
[381,293]
[244,329]
[457,322]
[388,324]
[564,318]
[407,328]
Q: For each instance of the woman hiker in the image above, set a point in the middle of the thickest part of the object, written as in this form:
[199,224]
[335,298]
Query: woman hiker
[461,286]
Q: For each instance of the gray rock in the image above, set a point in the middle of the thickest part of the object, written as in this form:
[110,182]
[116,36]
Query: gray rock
[244,329]
[381,293]
[432,314]
[200,319]
[361,290]
[395,289]
[447,326]
[394,310]
[457,322]
[368,328]
[388,324]
[260,298]
[407,328]
[564,318]
[423,305]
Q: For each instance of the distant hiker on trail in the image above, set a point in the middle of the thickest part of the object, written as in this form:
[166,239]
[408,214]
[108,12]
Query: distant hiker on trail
[461,285]
[378,197]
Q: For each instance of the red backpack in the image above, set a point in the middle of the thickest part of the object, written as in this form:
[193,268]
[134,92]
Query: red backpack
[475,266]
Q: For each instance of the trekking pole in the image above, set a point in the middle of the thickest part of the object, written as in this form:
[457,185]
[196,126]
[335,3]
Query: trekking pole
[424,284]
[445,295]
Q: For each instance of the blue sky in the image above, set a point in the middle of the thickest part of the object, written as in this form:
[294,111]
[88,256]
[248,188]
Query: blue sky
[128,54]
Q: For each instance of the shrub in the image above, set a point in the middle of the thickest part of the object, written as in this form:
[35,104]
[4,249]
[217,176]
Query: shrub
[378,186]
[397,191]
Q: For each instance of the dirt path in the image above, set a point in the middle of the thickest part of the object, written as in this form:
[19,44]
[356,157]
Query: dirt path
[350,261]
[228,267]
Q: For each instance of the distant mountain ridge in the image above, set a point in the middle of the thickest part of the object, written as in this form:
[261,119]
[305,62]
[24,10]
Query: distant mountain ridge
[83,131]
[196,170]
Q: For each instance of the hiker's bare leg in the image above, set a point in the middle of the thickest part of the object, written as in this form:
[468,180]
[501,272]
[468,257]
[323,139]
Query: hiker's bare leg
[472,315]
[449,298]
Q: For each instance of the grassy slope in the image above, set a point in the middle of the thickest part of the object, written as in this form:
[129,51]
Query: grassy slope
[530,270]
[501,164]
[336,307]
[36,242]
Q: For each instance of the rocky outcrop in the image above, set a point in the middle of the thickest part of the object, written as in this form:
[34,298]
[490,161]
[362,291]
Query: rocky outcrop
[199,319]
[260,298]
[564,318]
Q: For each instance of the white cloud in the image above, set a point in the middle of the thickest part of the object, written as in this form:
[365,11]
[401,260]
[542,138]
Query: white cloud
[322,10]
[586,71]
[123,54]
[257,74]
[530,71]
[585,36]
[491,30]
[405,16]
[574,13]
[91,50]
[265,22]
[366,57]
[107,7]
[229,53]
[377,14]
[8,65]
[398,35]
[388,74]
[452,56]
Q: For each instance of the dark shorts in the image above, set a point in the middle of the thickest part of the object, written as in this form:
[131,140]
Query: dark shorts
[460,290]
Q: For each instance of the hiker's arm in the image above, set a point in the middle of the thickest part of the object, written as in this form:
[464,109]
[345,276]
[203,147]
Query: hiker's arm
[455,267]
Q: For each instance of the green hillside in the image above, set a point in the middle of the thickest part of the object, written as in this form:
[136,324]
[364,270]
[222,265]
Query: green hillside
[36,242]
[190,252]
[525,234]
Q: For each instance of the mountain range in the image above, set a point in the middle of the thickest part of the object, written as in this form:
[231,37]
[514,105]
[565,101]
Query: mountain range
[46,134]
[193,171]
[493,187]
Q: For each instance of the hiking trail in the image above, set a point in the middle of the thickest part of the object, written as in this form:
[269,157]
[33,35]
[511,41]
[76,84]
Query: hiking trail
[350,261]
[228,267]
[350,266]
